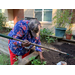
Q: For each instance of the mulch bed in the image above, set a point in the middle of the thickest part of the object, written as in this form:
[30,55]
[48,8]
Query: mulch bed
[53,58]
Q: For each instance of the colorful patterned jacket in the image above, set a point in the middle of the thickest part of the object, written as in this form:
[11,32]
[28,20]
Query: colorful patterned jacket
[21,31]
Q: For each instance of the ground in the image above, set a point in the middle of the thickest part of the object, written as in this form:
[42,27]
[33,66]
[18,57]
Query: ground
[53,57]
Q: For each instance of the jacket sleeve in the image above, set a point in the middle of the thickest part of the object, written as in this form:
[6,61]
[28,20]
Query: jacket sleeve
[18,34]
[37,41]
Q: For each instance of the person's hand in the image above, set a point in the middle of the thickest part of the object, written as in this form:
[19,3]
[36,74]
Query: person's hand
[26,43]
[41,57]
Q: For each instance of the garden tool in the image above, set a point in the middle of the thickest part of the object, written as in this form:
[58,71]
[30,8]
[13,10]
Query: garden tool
[8,37]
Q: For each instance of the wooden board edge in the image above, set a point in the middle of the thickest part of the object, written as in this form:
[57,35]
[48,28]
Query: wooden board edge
[26,60]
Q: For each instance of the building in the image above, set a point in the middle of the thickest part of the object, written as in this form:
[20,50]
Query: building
[43,15]
[13,15]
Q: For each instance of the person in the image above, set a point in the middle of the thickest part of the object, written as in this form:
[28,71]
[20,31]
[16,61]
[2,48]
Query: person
[29,31]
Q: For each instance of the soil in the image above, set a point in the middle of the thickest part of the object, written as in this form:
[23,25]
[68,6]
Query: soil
[53,58]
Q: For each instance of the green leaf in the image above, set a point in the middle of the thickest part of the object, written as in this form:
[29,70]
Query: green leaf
[16,63]
[47,50]
[32,58]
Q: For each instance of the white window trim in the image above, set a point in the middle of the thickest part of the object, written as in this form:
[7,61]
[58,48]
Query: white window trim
[43,16]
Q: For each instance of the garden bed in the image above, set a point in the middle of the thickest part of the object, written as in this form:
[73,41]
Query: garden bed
[53,58]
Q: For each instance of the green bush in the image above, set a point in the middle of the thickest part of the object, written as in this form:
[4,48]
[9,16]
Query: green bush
[2,20]
[44,32]
[44,35]
[62,17]
[50,39]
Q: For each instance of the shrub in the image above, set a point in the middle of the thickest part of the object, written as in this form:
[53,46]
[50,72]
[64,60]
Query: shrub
[62,17]
[2,20]
[44,35]
[44,32]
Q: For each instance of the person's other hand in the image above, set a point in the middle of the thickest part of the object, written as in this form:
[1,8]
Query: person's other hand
[26,43]
[41,57]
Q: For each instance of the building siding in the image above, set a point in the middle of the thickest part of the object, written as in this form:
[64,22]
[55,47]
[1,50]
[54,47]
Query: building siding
[31,13]
[28,12]
[10,14]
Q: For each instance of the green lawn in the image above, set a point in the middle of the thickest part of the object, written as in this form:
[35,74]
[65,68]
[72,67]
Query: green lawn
[4,59]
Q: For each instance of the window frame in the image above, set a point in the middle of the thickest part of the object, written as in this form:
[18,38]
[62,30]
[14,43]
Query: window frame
[43,16]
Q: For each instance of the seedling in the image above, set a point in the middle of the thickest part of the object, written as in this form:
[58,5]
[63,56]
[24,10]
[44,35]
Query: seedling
[47,50]
[50,40]
[36,61]
[16,62]
[32,58]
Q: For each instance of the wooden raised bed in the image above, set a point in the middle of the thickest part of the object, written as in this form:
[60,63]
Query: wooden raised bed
[26,61]
[4,46]
[62,39]
[55,57]
[52,57]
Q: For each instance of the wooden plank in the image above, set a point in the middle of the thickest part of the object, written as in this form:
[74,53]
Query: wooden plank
[4,51]
[61,38]
[4,43]
[4,47]
[52,36]
[4,39]
[68,40]
[26,60]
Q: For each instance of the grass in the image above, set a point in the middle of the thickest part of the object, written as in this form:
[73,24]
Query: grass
[4,59]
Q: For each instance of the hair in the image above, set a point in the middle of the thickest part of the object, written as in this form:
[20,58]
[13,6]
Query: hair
[33,25]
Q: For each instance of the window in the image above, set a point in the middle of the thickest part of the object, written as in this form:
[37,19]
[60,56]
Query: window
[43,14]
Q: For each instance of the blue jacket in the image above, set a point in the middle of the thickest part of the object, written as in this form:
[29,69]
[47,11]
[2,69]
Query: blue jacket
[21,31]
